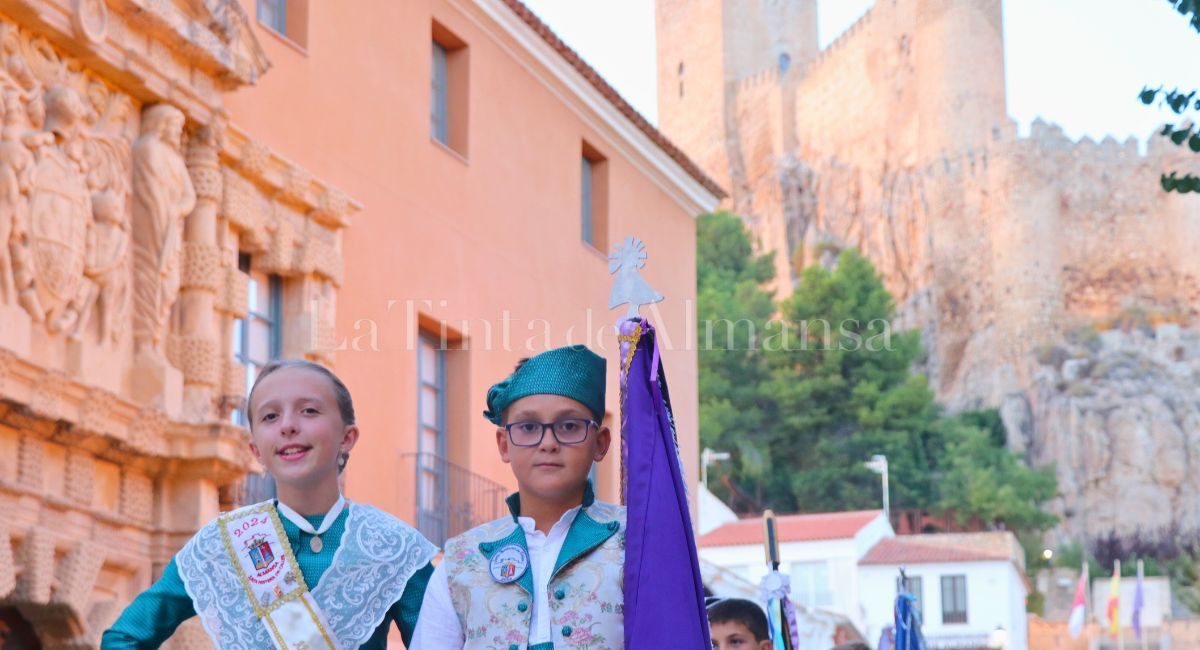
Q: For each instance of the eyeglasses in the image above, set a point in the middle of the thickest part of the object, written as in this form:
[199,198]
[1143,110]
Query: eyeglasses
[571,431]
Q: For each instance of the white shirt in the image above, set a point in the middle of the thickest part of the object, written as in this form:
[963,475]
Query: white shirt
[438,627]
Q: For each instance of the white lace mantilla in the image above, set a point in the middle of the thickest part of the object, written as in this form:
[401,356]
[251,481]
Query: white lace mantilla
[377,556]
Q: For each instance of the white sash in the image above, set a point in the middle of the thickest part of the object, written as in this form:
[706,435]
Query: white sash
[258,549]
[377,555]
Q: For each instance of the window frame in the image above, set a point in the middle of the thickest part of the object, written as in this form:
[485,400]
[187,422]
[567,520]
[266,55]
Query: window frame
[918,593]
[809,593]
[450,92]
[593,198]
[286,20]
[439,110]
[952,595]
[257,487]
[586,202]
[432,462]
[277,9]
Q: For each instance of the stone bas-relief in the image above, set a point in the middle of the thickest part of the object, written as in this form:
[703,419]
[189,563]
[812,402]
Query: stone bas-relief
[162,196]
[64,169]
[125,202]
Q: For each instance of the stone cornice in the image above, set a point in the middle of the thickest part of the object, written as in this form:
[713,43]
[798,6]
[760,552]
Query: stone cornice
[282,180]
[50,405]
[151,49]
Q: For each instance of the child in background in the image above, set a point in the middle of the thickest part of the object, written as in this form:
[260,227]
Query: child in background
[738,624]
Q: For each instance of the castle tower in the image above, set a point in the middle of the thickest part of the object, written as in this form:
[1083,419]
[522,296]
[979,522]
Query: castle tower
[960,73]
[704,48]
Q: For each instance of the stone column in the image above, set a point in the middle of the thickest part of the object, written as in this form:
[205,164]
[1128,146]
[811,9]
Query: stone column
[199,340]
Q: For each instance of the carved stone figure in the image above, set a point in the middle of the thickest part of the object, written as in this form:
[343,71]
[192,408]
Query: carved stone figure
[162,196]
[49,255]
[107,264]
[16,168]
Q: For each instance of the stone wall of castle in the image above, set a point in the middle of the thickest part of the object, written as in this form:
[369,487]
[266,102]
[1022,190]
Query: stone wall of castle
[894,141]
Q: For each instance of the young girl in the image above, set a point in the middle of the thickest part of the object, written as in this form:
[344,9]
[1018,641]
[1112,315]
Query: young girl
[307,570]
[550,575]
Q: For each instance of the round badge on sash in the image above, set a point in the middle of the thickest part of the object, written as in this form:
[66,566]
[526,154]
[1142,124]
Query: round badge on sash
[508,564]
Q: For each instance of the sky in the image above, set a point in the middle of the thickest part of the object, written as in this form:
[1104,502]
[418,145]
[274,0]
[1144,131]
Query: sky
[1075,63]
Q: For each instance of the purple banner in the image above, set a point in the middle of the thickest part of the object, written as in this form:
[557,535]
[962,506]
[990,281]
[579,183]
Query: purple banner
[664,593]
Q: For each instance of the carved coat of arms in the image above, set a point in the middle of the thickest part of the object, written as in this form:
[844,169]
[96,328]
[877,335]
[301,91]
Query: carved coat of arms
[59,215]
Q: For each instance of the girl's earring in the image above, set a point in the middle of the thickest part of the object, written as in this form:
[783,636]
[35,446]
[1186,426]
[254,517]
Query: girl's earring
[342,459]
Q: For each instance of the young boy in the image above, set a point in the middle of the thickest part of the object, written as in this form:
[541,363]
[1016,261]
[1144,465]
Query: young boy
[549,575]
[307,570]
[738,624]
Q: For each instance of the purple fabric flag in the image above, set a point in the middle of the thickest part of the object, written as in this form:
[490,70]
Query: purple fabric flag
[664,593]
[1139,601]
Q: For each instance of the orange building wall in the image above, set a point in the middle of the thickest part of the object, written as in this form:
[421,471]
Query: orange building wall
[475,235]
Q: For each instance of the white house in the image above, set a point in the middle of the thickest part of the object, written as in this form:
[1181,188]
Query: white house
[970,588]
[819,551]
[713,511]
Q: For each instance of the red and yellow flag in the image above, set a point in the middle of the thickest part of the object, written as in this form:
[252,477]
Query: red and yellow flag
[1114,601]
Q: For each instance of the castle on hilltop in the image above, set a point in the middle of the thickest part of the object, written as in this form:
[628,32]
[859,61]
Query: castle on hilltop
[895,140]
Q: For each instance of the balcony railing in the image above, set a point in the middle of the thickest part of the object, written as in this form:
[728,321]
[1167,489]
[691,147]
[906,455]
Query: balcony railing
[451,499]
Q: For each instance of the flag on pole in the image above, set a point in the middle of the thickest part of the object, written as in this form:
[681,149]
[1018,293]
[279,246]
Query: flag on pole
[1078,607]
[1114,601]
[664,593]
[1139,601]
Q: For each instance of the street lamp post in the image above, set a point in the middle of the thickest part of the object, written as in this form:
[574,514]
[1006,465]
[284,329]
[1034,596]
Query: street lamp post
[708,457]
[879,465]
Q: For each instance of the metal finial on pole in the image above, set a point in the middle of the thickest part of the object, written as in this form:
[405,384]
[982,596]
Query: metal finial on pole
[629,287]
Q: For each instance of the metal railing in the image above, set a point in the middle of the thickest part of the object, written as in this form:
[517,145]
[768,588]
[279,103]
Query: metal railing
[451,499]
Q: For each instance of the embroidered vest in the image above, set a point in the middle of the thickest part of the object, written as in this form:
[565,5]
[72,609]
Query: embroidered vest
[377,556]
[585,590]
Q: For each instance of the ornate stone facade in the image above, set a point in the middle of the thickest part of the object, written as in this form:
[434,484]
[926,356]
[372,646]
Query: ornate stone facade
[894,140]
[125,199]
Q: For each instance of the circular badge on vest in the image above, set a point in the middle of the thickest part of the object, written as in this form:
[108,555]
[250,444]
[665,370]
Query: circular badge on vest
[508,564]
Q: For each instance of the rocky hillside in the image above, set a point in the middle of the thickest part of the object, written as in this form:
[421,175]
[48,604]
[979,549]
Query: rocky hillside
[1119,412]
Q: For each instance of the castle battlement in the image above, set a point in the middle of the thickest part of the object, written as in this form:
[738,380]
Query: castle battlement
[839,43]
[768,75]
[1047,137]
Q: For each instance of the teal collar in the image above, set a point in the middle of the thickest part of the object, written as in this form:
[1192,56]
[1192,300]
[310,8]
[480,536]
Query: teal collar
[514,500]
[583,537]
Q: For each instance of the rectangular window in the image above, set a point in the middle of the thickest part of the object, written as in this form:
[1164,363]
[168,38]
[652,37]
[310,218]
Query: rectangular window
[448,109]
[810,584]
[440,127]
[915,586]
[273,14]
[585,201]
[954,599]
[593,198]
[431,439]
[257,339]
[288,18]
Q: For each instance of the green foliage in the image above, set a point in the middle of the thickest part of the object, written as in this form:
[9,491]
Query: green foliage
[844,392]
[802,400]
[983,479]
[1186,7]
[733,313]
[1179,102]
[1185,580]
[1069,555]
[1035,603]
